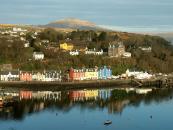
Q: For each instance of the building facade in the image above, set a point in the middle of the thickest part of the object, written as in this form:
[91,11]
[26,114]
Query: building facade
[116,49]
[9,75]
[52,75]
[66,46]
[90,73]
[38,56]
[25,76]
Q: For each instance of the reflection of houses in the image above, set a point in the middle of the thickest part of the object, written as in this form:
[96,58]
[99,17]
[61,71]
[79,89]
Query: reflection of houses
[143,91]
[25,95]
[104,94]
[25,76]
[9,75]
[46,95]
[117,106]
[83,95]
[66,46]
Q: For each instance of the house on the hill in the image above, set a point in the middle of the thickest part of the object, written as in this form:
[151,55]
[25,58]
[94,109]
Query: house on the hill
[93,52]
[38,55]
[116,49]
[66,46]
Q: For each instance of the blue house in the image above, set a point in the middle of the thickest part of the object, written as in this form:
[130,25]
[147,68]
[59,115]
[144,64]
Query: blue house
[104,73]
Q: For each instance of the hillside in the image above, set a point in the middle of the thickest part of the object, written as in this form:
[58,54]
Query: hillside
[12,50]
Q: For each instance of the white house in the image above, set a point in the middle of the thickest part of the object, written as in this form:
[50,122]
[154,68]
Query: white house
[52,75]
[146,49]
[127,54]
[38,56]
[9,75]
[74,53]
[138,74]
[38,76]
[93,52]
[26,44]
[19,30]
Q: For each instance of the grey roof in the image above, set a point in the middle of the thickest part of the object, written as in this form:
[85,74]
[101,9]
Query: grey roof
[14,72]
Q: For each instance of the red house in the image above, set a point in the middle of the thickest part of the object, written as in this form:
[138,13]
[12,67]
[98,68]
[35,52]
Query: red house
[25,76]
[76,74]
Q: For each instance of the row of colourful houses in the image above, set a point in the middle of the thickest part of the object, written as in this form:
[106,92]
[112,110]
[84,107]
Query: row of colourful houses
[30,76]
[74,74]
[90,74]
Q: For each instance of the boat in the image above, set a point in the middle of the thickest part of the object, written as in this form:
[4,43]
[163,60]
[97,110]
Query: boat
[107,122]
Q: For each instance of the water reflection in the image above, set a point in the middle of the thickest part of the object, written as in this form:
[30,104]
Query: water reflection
[17,104]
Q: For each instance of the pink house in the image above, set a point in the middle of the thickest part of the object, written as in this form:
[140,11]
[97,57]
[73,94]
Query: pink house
[25,76]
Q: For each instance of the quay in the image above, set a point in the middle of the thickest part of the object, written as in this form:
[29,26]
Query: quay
[39,85]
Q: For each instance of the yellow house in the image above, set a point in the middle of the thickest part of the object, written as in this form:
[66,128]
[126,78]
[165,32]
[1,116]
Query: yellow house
[66,46]
[91,74]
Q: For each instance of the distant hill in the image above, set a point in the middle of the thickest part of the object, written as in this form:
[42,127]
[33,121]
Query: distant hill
[167,36]
[72,23]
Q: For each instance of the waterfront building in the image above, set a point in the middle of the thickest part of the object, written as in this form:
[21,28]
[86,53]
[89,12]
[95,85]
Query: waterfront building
[77,74]
[38,76]
[52,75]
[91,74]
[9,75]
[138,74]
[104,73]
[25,76]
[38,55]
[66,46]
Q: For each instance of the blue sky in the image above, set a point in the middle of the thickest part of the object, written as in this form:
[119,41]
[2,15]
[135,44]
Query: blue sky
[122,13]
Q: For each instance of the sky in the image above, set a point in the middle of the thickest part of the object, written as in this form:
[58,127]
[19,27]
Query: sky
[136,15]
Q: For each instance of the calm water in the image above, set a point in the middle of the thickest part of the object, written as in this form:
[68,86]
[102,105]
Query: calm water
[136,109]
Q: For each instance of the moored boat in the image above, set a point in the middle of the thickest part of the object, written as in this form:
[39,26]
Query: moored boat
[107,122]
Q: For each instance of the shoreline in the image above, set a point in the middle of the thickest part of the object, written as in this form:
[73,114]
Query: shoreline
[90,84]
[39,85]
